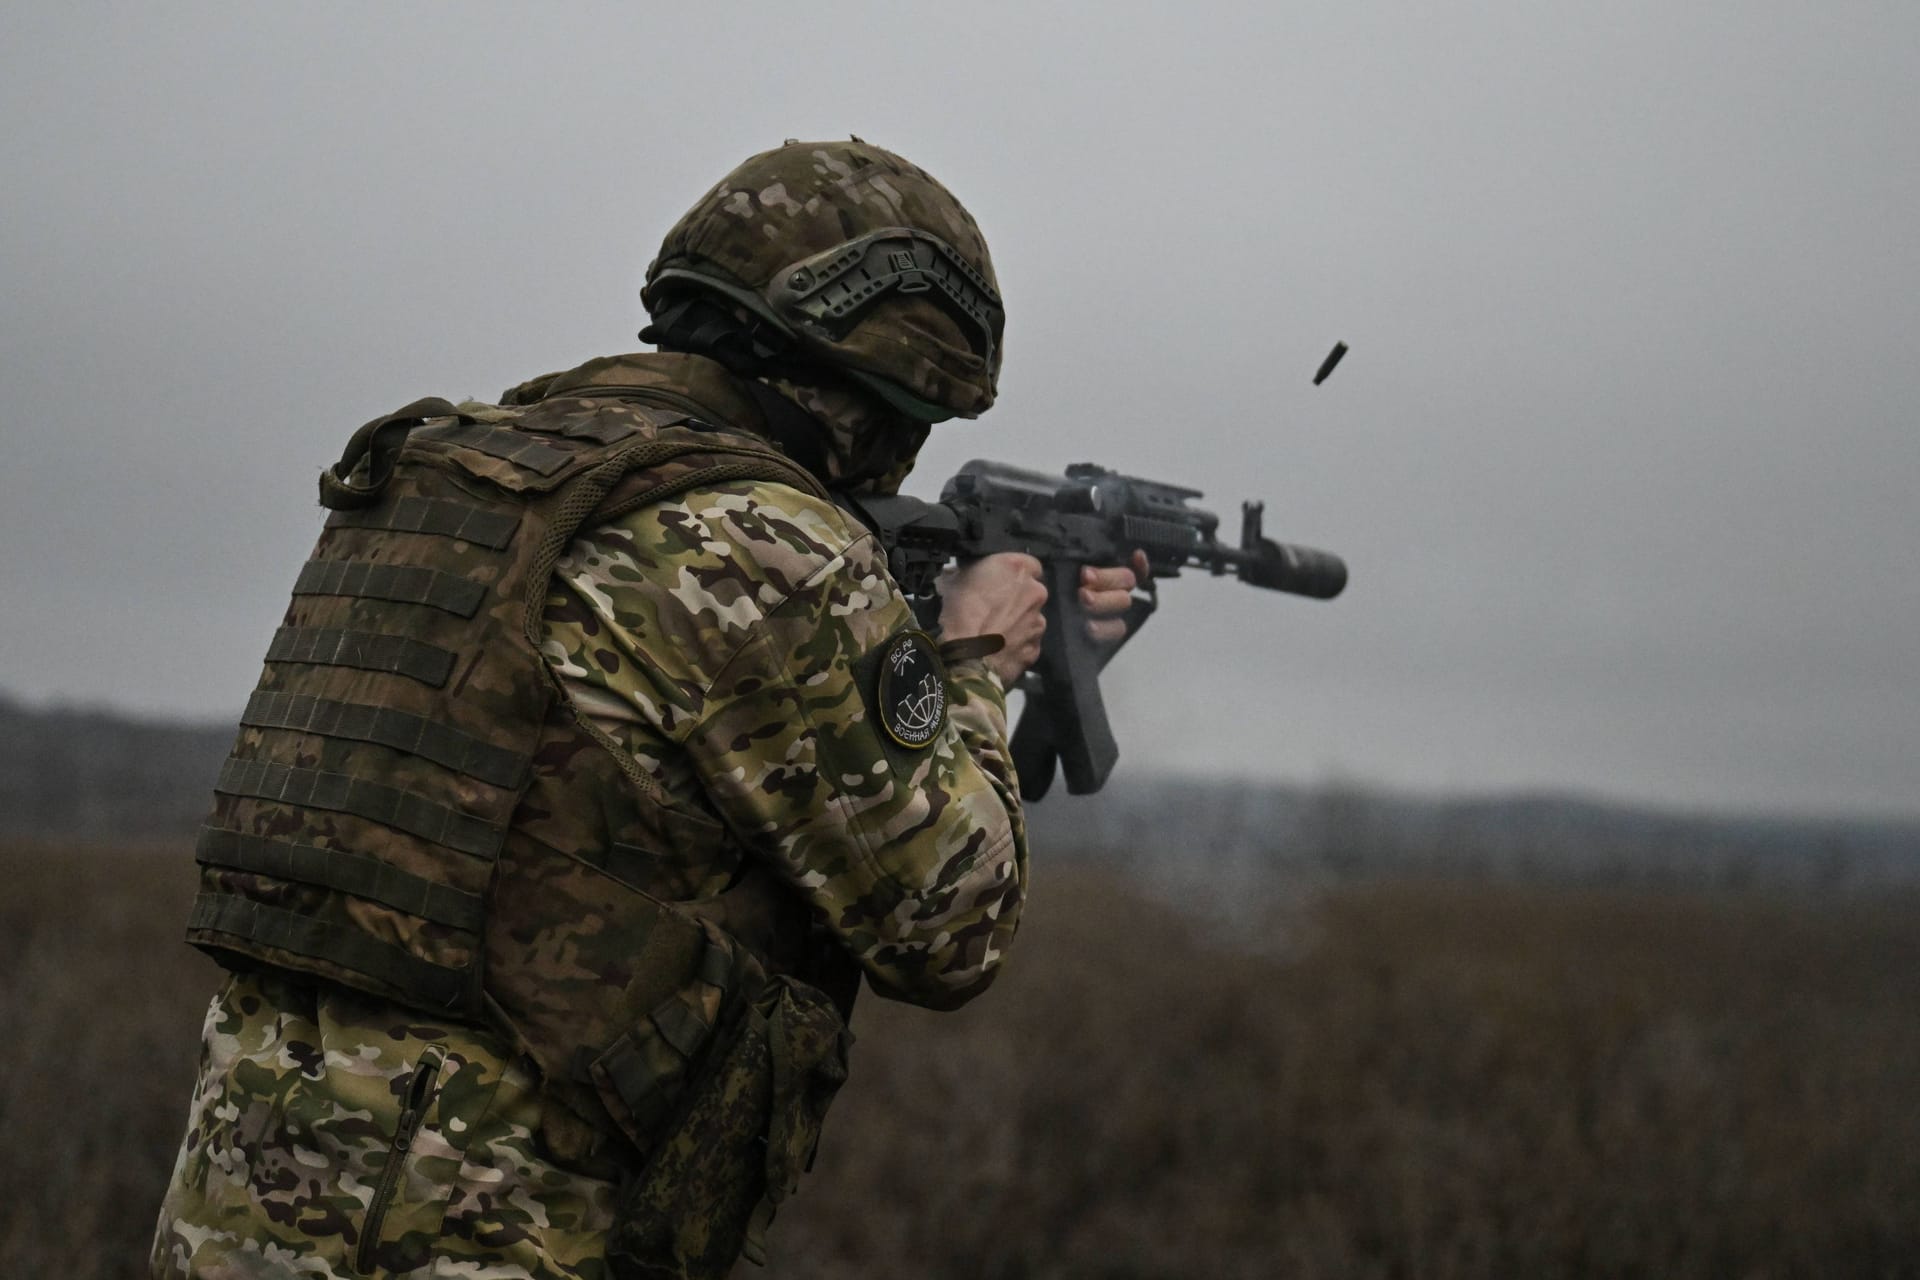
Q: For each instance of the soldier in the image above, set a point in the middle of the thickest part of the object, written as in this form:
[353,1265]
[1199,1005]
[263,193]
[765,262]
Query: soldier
[596,759]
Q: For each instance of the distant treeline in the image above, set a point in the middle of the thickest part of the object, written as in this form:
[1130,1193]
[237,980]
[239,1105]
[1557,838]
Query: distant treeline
[98,776]
[94,775]
[1236,835]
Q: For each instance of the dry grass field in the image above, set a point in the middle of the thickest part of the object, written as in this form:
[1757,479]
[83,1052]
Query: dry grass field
[1421,1081]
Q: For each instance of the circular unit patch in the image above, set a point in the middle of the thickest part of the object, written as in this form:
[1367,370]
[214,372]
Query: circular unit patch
[912,690]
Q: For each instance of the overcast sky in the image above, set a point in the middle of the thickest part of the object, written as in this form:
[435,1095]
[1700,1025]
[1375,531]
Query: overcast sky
[1624,457]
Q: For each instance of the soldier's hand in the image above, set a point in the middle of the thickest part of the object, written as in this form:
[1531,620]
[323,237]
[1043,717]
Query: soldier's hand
[1106,595]
[999,595]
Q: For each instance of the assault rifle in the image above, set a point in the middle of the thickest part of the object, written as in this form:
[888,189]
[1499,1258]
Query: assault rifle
[1093,516]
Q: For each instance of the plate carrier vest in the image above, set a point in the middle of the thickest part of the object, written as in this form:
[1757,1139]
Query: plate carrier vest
[412,807]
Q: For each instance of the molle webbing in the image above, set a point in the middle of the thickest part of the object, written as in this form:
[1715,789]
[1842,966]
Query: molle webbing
[401,583]
[490,529]
[388,727]
[354,873]
[599,430]
[359,816]
[435,986]
[505,444]
[366,650]
[406,753]
[363,798]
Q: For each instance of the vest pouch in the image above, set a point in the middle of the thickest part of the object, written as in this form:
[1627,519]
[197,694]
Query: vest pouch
[747,1131]
[642,1076]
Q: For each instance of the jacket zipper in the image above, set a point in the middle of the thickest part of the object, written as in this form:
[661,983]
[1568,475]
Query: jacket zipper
[419,1096]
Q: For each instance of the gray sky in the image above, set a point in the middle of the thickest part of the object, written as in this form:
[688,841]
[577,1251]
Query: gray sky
[1623,458]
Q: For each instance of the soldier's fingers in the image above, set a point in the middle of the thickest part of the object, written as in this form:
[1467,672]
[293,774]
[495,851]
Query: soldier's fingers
[1106,630]
[1107,578]
[1101,603]
[1142,568]
[1021,562]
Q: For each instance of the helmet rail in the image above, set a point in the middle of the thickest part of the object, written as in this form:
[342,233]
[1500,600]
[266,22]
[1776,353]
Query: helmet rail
[859,258]
[825,293]
[828,290]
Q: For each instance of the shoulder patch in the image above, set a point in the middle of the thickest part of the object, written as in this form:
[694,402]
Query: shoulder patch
[910,690]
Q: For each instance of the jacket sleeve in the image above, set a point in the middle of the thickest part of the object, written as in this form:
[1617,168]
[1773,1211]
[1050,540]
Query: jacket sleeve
[758,644]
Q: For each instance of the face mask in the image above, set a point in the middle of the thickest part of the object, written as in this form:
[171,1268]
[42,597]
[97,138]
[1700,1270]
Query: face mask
[870,445]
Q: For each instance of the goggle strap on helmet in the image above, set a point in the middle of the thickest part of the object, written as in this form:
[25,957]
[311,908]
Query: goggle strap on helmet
[711,280]
[702,324]
[829,290]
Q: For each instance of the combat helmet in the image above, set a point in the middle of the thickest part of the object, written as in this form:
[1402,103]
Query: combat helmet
[848,255]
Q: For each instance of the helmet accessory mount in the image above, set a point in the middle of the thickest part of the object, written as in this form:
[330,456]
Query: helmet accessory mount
[860,259]
[829,290]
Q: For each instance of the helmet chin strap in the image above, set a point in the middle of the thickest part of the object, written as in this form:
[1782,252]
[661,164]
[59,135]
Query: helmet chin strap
[751,349]
[904,400]
[798,433]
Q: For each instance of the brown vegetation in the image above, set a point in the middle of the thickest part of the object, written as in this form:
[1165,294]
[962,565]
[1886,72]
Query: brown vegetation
[1428,1080]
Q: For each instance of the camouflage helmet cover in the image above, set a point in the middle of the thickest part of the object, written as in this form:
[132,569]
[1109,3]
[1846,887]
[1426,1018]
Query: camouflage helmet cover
[863,258]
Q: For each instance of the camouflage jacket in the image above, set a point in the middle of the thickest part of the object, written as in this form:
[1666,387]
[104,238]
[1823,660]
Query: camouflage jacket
[717,639]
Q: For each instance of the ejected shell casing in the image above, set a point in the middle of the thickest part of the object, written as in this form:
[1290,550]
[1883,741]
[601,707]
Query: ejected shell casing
[1326,366]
